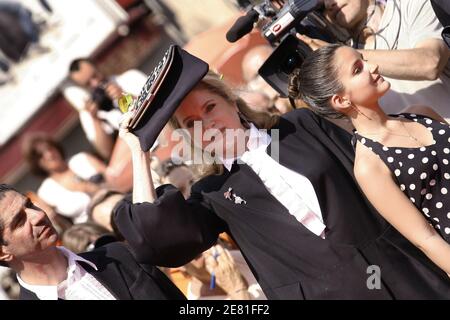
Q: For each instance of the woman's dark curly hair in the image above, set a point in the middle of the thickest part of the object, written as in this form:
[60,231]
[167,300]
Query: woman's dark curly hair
[316,81]
[32,154]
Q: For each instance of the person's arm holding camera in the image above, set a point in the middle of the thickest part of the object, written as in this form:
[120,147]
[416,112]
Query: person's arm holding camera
[424,62]
[424,59]
[427,55]
[101,140]
[113,90]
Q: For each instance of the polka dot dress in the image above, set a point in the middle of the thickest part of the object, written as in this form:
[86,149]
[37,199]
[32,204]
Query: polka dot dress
[423,174]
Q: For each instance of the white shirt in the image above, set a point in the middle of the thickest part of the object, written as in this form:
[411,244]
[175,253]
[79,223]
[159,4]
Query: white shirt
[71,204]
[404,24]
[68,203]
[79,284]
[292,189]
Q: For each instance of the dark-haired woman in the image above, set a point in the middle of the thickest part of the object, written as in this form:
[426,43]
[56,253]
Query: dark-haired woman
[401,162]
[301,222]
[66,187]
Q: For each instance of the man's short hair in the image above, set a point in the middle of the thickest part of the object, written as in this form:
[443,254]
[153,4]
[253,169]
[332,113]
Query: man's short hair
[75,64]
[3,189]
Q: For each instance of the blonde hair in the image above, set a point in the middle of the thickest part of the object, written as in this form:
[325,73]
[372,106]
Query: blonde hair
[216,85]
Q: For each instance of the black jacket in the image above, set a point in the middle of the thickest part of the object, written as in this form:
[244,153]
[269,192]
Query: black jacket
[288,260]
[442,10]
[123,276]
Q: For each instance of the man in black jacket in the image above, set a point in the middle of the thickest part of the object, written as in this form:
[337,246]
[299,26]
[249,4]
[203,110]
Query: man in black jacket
[45,271]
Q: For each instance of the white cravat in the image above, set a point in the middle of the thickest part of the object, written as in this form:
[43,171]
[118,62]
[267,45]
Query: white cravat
[292,189]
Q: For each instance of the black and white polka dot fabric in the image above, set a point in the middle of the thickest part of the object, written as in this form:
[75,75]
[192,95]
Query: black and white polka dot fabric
[423,174]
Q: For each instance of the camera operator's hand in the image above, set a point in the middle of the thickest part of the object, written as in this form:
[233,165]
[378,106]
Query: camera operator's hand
[314,44]
[278,4]
[113,91]
[91,107]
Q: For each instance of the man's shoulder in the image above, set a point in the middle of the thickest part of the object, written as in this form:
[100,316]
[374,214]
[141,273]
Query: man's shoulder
[118,251]
[300,113]
[26,294]
[304,119]
[210,183]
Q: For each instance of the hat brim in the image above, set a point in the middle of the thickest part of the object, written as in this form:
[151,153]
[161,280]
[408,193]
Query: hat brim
[185,72]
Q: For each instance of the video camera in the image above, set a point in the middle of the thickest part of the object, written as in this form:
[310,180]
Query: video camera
[279,29]
[101,98]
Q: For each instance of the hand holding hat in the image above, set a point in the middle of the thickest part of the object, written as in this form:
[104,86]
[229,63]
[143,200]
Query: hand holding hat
[124,132]
[172,79]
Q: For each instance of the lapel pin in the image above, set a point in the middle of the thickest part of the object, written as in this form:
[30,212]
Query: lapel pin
[228,194]
[238,200]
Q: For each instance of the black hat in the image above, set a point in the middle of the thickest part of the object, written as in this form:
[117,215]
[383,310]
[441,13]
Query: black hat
[169,83]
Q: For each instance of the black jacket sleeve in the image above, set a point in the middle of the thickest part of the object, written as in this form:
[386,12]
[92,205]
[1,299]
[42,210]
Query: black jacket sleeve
[170,231]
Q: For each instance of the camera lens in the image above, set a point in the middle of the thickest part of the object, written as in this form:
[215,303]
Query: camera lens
[290,63]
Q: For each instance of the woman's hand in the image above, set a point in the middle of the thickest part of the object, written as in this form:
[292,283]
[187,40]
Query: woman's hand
[143,188]
[125,134]
[314,44]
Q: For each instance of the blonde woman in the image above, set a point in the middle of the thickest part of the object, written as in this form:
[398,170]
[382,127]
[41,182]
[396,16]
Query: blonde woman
[288,199]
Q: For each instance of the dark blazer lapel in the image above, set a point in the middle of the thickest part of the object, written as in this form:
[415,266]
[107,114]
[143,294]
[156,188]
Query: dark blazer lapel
[109,276]
[242,180]
[26,294]
[259,201]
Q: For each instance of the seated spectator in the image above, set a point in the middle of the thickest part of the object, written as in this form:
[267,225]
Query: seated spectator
[48,272]
[101,207]
[232,279]
[68,185]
